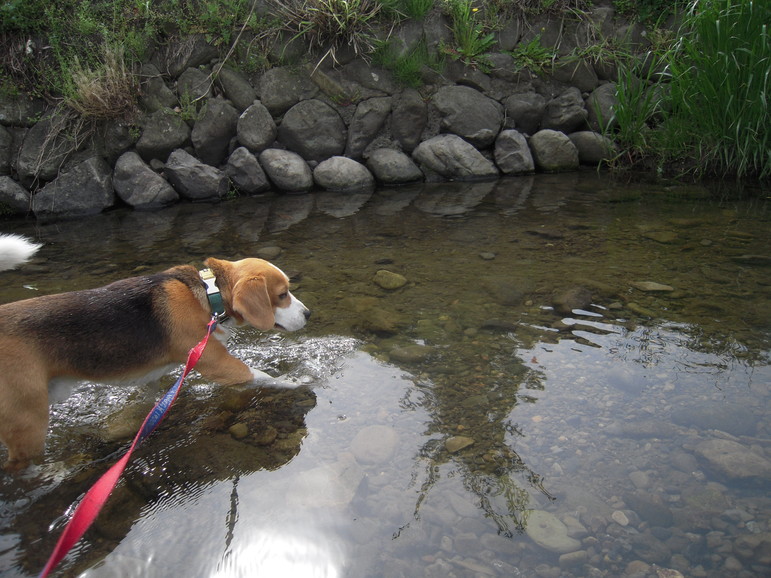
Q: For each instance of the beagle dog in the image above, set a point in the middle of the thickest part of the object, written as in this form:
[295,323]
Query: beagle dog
[127,329]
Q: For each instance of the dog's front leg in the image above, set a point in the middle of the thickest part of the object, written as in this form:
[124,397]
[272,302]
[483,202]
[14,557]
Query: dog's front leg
[218,365]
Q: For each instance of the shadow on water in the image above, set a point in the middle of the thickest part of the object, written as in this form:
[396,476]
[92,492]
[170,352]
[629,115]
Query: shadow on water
[550,375]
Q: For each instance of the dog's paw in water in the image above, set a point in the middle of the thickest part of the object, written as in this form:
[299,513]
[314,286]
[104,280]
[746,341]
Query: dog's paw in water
[262,379]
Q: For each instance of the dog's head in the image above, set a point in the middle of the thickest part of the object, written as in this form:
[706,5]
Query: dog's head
[257,292]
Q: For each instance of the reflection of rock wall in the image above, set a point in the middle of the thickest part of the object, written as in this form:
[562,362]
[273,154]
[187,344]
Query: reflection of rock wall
[289,128]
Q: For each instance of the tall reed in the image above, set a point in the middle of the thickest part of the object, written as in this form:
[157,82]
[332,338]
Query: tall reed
[721,85]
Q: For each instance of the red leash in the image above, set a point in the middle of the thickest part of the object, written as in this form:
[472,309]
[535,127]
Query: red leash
[92,502]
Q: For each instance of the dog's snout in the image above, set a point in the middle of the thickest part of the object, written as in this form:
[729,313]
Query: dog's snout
[307,313]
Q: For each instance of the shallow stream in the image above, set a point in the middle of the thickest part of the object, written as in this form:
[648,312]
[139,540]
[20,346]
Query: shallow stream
[556,376]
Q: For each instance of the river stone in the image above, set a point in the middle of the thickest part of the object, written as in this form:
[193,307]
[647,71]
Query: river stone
[6,151]
[392,167]
[566,112]
[512,153]
[343,174]
[576,72]
[457,443]
[388,280]
[19,109]
[638,428]
[469,114]
[124,423]
[43,151]
[287,170]
[281,87]
[138,185]
[619,518]
[112,138]
[13,196]
[410,353]
[453,158]
[371,316]
[83,189]
[186,52]
[731,418]
[162,132]
[764,260]
[193,179]
[265,436]
[367,121]
[573,298]
[314,130]
[549,532]
[651,287]
[650,509]
[375,444]
[213,131]
[577,558]
[269,253]
[194,86]
[245,172]
[409,117]
[593,148]
[553,151]
[754,548]
[508,290]
[327,485]
[734,461]
[154,93]
[239,430]
[524,111]
[236,87]
[664,237]
[649,548]
[601,106]
[255,128]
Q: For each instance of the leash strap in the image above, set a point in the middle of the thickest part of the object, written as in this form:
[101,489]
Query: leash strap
[89,507]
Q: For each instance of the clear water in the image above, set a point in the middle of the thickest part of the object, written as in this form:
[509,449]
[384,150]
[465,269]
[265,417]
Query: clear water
[521,380]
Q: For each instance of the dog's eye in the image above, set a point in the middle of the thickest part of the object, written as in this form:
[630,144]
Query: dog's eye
[283,295]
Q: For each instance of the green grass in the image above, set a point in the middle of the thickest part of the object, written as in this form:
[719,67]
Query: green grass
[415,9]
[534,56]
[408,69]
[721,85]
[472,39]
[639,107]
[709,110]
[332,25]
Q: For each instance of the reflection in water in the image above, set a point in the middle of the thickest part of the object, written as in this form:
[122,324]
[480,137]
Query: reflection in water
[566,349]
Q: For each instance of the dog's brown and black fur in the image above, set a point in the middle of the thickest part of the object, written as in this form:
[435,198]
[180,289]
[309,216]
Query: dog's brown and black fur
[127,329]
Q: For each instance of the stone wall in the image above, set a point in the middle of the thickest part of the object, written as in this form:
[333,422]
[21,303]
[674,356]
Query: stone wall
[208,130]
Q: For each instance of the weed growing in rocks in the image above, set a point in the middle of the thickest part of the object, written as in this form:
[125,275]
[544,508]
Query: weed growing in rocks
[472,39]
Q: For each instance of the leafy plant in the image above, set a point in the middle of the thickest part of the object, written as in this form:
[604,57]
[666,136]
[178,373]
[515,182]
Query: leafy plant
[638,104]
[21,15]
[533,55]
[472,40]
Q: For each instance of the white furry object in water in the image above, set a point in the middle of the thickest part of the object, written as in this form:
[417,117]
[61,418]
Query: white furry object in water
[15,250]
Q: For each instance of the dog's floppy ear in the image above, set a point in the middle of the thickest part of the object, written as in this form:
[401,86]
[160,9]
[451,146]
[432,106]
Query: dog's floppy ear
[252,302]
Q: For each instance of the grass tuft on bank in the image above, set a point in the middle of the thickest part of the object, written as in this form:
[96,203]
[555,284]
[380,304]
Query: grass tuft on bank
[704,97]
